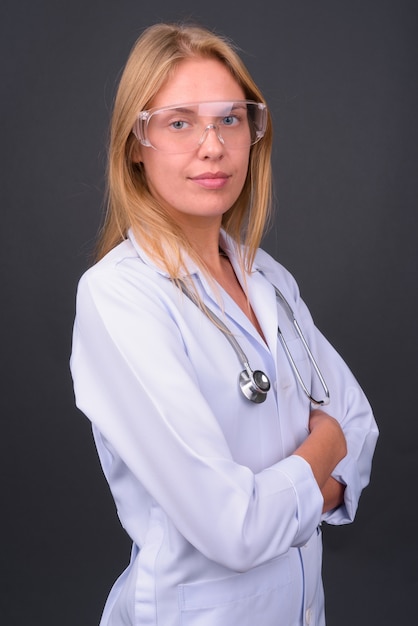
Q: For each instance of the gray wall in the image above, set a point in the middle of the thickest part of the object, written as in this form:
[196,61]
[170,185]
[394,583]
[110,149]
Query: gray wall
[341,81]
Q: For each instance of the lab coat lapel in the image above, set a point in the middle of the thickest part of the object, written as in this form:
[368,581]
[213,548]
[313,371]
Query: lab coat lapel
[261,294]
[263,301]
[224,306]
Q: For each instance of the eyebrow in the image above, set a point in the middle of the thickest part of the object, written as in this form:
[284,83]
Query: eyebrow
[205,108]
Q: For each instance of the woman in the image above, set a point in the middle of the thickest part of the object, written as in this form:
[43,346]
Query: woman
[221,479]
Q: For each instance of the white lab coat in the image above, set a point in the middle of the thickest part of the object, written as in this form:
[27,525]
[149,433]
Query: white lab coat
[225,521]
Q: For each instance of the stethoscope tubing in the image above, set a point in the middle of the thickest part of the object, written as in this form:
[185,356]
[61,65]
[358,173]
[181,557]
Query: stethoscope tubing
[255,384]
[308,351]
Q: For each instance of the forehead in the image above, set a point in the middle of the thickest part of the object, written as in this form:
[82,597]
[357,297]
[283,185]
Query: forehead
[198,80]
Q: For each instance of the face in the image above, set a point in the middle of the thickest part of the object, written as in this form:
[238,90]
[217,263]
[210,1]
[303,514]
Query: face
[197,187]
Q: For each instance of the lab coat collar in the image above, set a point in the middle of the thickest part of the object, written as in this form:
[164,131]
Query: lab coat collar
[260,290]
[230,247]
[190,267]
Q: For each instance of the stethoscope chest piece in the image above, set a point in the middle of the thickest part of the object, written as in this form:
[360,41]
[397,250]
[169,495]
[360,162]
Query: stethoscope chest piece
[254,385]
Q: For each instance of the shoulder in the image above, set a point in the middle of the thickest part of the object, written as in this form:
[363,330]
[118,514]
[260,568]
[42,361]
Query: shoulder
[121,275]
[114,259]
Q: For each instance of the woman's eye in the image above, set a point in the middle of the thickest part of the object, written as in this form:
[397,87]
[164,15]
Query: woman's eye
[179,125]
[230,120]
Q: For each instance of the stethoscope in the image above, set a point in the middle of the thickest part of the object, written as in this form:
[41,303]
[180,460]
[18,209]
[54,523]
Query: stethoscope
[255,384]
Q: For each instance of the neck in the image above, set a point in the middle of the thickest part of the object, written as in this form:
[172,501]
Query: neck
[204,239]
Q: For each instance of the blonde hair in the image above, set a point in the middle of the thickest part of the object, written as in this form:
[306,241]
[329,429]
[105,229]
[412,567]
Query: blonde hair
[129,202]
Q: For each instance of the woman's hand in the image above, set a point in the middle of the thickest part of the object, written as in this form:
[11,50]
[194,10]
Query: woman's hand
[323,449]
[333,494]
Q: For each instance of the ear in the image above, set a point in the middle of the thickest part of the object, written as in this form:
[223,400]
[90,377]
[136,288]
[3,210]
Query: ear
[136,153]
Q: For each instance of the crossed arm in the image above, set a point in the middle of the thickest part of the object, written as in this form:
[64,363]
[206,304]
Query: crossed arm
[323,449]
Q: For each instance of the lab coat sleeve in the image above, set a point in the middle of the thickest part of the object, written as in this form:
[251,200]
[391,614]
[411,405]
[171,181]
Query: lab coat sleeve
[134,381]
[348,404]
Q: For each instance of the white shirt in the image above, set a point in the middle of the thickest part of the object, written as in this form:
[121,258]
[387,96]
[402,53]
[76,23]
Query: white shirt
[223,517]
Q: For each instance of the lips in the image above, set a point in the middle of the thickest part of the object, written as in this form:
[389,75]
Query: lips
[210,175]
[211,180]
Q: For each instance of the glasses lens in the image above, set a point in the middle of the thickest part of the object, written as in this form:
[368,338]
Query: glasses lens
[182,128]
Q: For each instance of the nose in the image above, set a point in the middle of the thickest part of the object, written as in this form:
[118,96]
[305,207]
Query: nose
[212,142]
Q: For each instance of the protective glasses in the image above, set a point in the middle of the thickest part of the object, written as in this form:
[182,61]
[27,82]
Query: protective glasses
[183,128]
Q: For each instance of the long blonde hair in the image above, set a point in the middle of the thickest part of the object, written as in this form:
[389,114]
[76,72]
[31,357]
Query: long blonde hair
[129,202]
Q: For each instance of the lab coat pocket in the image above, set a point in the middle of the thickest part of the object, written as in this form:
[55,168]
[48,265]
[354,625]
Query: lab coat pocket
[254,598]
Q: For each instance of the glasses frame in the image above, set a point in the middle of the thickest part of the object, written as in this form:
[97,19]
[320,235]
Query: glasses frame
[142,121]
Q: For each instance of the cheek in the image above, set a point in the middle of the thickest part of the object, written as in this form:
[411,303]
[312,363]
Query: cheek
[158,173]
[164,182]
[159,165]
[243,171]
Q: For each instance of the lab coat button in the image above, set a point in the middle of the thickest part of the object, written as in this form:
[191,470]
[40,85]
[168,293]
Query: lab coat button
[308,616]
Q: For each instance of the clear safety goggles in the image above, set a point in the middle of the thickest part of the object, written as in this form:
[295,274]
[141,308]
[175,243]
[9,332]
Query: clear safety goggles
[183,128]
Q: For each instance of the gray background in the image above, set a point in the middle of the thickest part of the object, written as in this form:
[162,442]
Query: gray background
[341,81]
